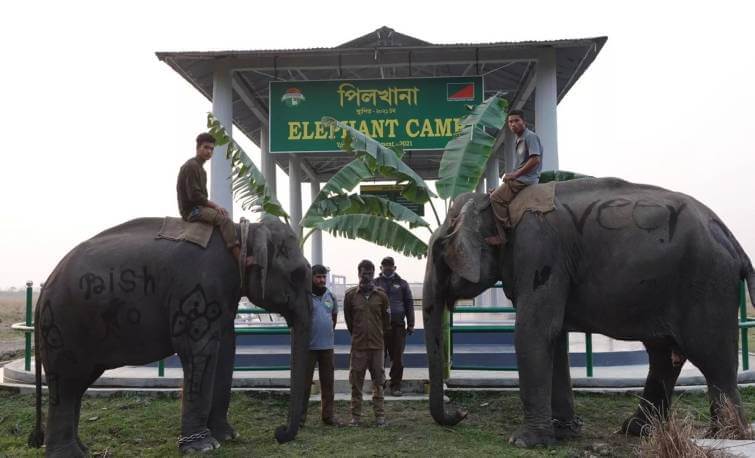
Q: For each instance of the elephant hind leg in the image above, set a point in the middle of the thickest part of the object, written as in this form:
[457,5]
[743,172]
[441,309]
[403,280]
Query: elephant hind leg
[77,411]
[62,419]
[659,386]
[717,360]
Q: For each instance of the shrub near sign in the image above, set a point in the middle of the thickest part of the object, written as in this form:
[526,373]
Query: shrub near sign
[420,113]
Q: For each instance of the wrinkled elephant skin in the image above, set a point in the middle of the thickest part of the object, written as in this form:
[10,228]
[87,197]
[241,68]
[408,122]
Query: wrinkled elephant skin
[126,298]
[632,262]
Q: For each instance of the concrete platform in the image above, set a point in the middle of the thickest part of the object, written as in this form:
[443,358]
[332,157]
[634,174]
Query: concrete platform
[732,447]
[605,379]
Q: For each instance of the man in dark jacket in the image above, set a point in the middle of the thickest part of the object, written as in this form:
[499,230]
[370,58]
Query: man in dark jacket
[402,319]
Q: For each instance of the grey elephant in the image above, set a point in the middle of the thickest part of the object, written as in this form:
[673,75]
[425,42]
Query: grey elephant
[124,297]
[633,262]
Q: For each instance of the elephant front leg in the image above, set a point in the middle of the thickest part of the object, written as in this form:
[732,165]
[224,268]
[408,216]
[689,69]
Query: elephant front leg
[199,360]
[539,326]
[218,422]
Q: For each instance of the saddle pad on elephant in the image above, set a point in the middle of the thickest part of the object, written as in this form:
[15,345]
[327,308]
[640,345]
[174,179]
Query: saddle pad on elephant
[536,198]
[177,229]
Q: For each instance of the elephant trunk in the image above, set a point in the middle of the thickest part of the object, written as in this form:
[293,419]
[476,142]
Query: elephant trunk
[299,361]
[434,306]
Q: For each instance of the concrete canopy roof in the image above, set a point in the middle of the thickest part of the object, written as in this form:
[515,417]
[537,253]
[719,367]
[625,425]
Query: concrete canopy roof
[384,53]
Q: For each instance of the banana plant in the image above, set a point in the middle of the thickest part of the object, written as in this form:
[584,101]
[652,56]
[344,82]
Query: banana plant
[247,182]
[375,219]
[466,155]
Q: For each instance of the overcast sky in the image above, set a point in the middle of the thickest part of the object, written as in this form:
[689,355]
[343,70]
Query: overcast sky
[95,127]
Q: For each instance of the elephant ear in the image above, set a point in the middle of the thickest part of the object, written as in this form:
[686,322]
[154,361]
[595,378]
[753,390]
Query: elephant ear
[260,237]
[464,244]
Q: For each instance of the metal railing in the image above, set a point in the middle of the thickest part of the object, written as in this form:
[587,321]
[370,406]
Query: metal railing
[745,322]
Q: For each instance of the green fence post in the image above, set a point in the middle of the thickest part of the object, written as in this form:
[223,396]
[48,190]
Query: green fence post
[27,334]
[745,331]
[588,353]
[447,343]
[161,368]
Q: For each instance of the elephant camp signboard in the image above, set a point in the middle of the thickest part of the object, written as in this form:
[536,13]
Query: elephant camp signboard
[416,114]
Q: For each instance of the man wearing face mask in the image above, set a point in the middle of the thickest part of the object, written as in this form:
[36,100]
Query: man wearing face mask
[402,319]
[367,313]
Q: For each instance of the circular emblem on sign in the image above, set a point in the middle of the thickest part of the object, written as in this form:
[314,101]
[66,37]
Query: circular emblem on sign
[293,97]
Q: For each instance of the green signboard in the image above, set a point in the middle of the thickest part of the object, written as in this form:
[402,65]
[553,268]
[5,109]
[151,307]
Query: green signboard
[416,114]
[392,192]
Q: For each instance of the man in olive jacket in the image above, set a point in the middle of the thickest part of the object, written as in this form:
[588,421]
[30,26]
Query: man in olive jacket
[402,319]
[193,202]
[367,313]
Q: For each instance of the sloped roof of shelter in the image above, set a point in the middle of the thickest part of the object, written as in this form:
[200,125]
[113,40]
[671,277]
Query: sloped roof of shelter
[508,67]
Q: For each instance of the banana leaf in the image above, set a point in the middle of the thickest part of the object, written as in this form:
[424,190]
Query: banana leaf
[375,229]
[361,204]
[467,154]
[247,182]
[383,161]
[463,162]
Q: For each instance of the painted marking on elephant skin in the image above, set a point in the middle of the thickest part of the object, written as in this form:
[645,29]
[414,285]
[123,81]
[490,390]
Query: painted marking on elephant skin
[541,277]
[126,281]
[615,214]
[50,331]
[193,319]
[194,315]
[580,223]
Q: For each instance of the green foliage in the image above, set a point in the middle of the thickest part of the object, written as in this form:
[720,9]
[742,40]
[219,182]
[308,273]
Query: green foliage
[560,175]
[466,155]
[375,229]
[370,218]
[382,161]
[361,204]
[248,183]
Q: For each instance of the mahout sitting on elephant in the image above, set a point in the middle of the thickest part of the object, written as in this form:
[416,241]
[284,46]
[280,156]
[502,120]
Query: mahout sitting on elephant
[630,261]
[124,297]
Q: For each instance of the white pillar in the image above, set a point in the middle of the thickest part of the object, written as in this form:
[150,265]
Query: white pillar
[509,156]
[268,164]
[220,167]
[545,107]
[294,191]
[491,172]
[316,235]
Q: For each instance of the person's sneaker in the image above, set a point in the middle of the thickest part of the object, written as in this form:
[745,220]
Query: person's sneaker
[380,422]
[396,392]
[354,422]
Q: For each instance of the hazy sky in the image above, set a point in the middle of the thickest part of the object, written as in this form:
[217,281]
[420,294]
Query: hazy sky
[95,127]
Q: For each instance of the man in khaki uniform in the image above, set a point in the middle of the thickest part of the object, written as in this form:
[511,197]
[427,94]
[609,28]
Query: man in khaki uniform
[367,313]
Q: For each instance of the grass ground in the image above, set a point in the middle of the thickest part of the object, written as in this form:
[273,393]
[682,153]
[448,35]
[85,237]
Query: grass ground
[132,425]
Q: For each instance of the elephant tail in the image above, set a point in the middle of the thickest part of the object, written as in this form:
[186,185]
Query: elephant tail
[37,436]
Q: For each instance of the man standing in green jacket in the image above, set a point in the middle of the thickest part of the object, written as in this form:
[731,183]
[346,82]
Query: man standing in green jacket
[367,313]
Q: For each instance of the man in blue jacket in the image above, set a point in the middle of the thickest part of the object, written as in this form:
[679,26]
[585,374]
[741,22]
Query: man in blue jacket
[402,319]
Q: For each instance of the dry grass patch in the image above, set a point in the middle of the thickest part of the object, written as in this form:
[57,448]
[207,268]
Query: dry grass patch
[675,436]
